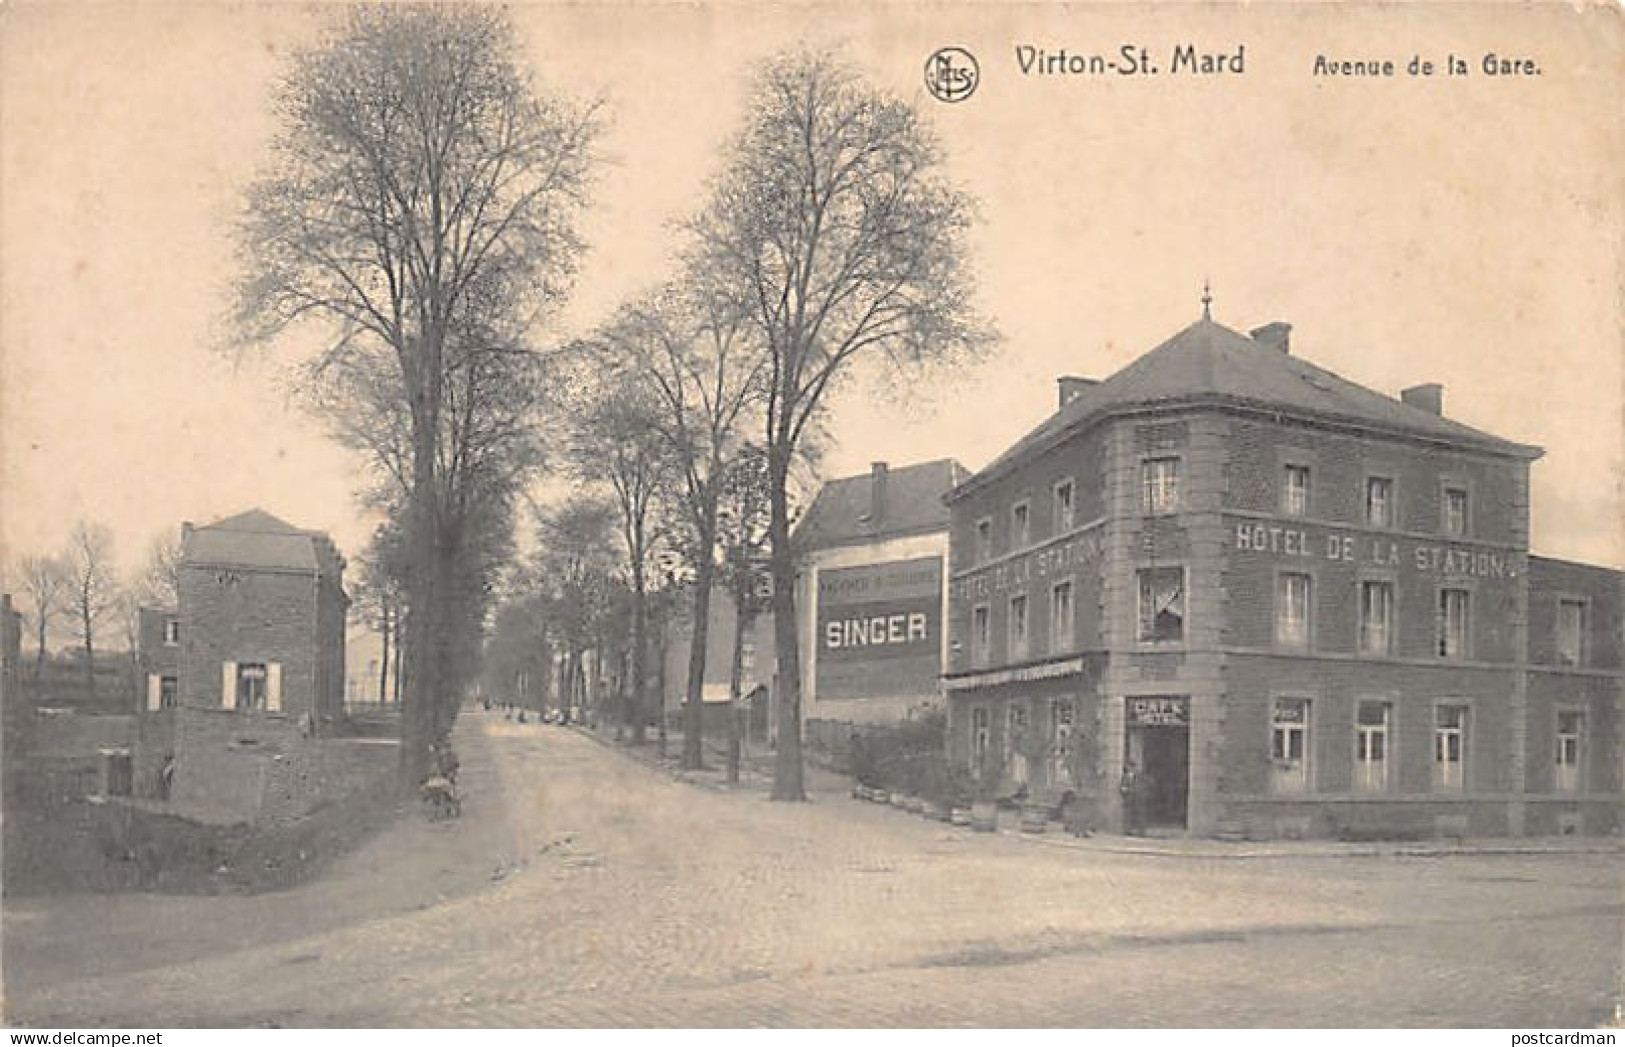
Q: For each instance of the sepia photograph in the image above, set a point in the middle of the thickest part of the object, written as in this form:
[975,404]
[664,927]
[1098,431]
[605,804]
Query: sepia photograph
[825,514]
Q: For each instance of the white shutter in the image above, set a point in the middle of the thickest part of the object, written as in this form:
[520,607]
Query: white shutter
[155,690]
[228,685]
[273,687]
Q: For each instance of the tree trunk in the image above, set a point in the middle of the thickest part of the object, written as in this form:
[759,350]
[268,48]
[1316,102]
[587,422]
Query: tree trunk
[39,657]
[662,651]
[85,622]
[787,776]
[638,706]
[395,677]
[699,634]
[736,670]
[383,664]
[423,611]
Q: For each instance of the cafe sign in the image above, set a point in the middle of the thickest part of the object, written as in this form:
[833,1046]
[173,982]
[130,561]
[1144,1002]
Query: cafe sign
[1159,712]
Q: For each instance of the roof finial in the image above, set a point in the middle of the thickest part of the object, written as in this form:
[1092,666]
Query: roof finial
[1207,300]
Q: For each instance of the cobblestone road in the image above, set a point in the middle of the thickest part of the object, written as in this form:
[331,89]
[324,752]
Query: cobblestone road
[584,889]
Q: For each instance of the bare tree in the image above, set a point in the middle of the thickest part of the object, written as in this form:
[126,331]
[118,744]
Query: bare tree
[743,517]
[47,586]
[93,585]
[46,583]
[377,596]
[691,349]
[574,574]
[422,197]
[616,440]
[833,221]
[158,584]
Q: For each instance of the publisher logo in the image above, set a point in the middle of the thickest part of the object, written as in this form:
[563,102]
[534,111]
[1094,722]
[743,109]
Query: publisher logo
[951,74]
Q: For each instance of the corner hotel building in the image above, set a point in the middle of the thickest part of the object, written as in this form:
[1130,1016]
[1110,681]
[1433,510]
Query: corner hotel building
[1294,606]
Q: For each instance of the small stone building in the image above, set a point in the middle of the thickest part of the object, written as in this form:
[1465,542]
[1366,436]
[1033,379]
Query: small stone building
[255,650]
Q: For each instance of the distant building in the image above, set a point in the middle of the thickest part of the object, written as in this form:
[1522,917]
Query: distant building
[871,598]
[1226,591]
[757,662]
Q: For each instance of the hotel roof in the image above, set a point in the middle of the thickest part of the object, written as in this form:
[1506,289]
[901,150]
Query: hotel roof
[1208,364]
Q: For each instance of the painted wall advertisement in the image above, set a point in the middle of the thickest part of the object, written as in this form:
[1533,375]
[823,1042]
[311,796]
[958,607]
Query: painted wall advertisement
[879,629]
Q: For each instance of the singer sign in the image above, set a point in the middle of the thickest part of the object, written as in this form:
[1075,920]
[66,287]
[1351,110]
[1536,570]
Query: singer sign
[879,629]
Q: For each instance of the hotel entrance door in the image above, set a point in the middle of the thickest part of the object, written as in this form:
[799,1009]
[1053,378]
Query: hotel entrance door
[1156,764]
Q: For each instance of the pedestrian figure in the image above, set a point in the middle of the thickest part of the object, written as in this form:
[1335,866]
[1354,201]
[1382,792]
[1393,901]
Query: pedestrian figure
[166,777]
[1132,788]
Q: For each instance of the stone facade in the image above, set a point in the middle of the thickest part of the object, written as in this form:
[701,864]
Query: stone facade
[1316,616]
[255,648]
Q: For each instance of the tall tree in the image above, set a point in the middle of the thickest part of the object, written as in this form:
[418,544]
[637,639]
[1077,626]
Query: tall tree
[615,439]
[46,583]
[690,347]
[833,220]
[421,199]
[377,596]
[93,584]
[574,573]
[743,517]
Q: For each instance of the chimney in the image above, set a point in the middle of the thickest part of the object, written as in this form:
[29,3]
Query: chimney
[1428,397]
[1275,335]
[877,491]
[1072,387]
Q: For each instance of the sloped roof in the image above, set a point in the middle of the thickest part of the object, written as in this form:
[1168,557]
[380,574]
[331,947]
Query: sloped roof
[841,513]
[1210,363]
[257,539]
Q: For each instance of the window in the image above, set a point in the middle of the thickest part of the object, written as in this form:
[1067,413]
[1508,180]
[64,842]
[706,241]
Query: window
[1455,510]
[172,632]
[1376,617]
[1021,529]
[1060,617]
[1162,605]
[980,735]
[1453,623]
[1159,481]
[1289,745]
[1371,746]
[1064,514]
[1379,501]
[1295,490]
[1018,627]
[251,685]
[168,692]
[1292,602]
[981,634]
[1449,747]
[984,540]
[1571,630]
[1570,742]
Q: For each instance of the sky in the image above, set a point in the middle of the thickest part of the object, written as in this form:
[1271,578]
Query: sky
[1461,230]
